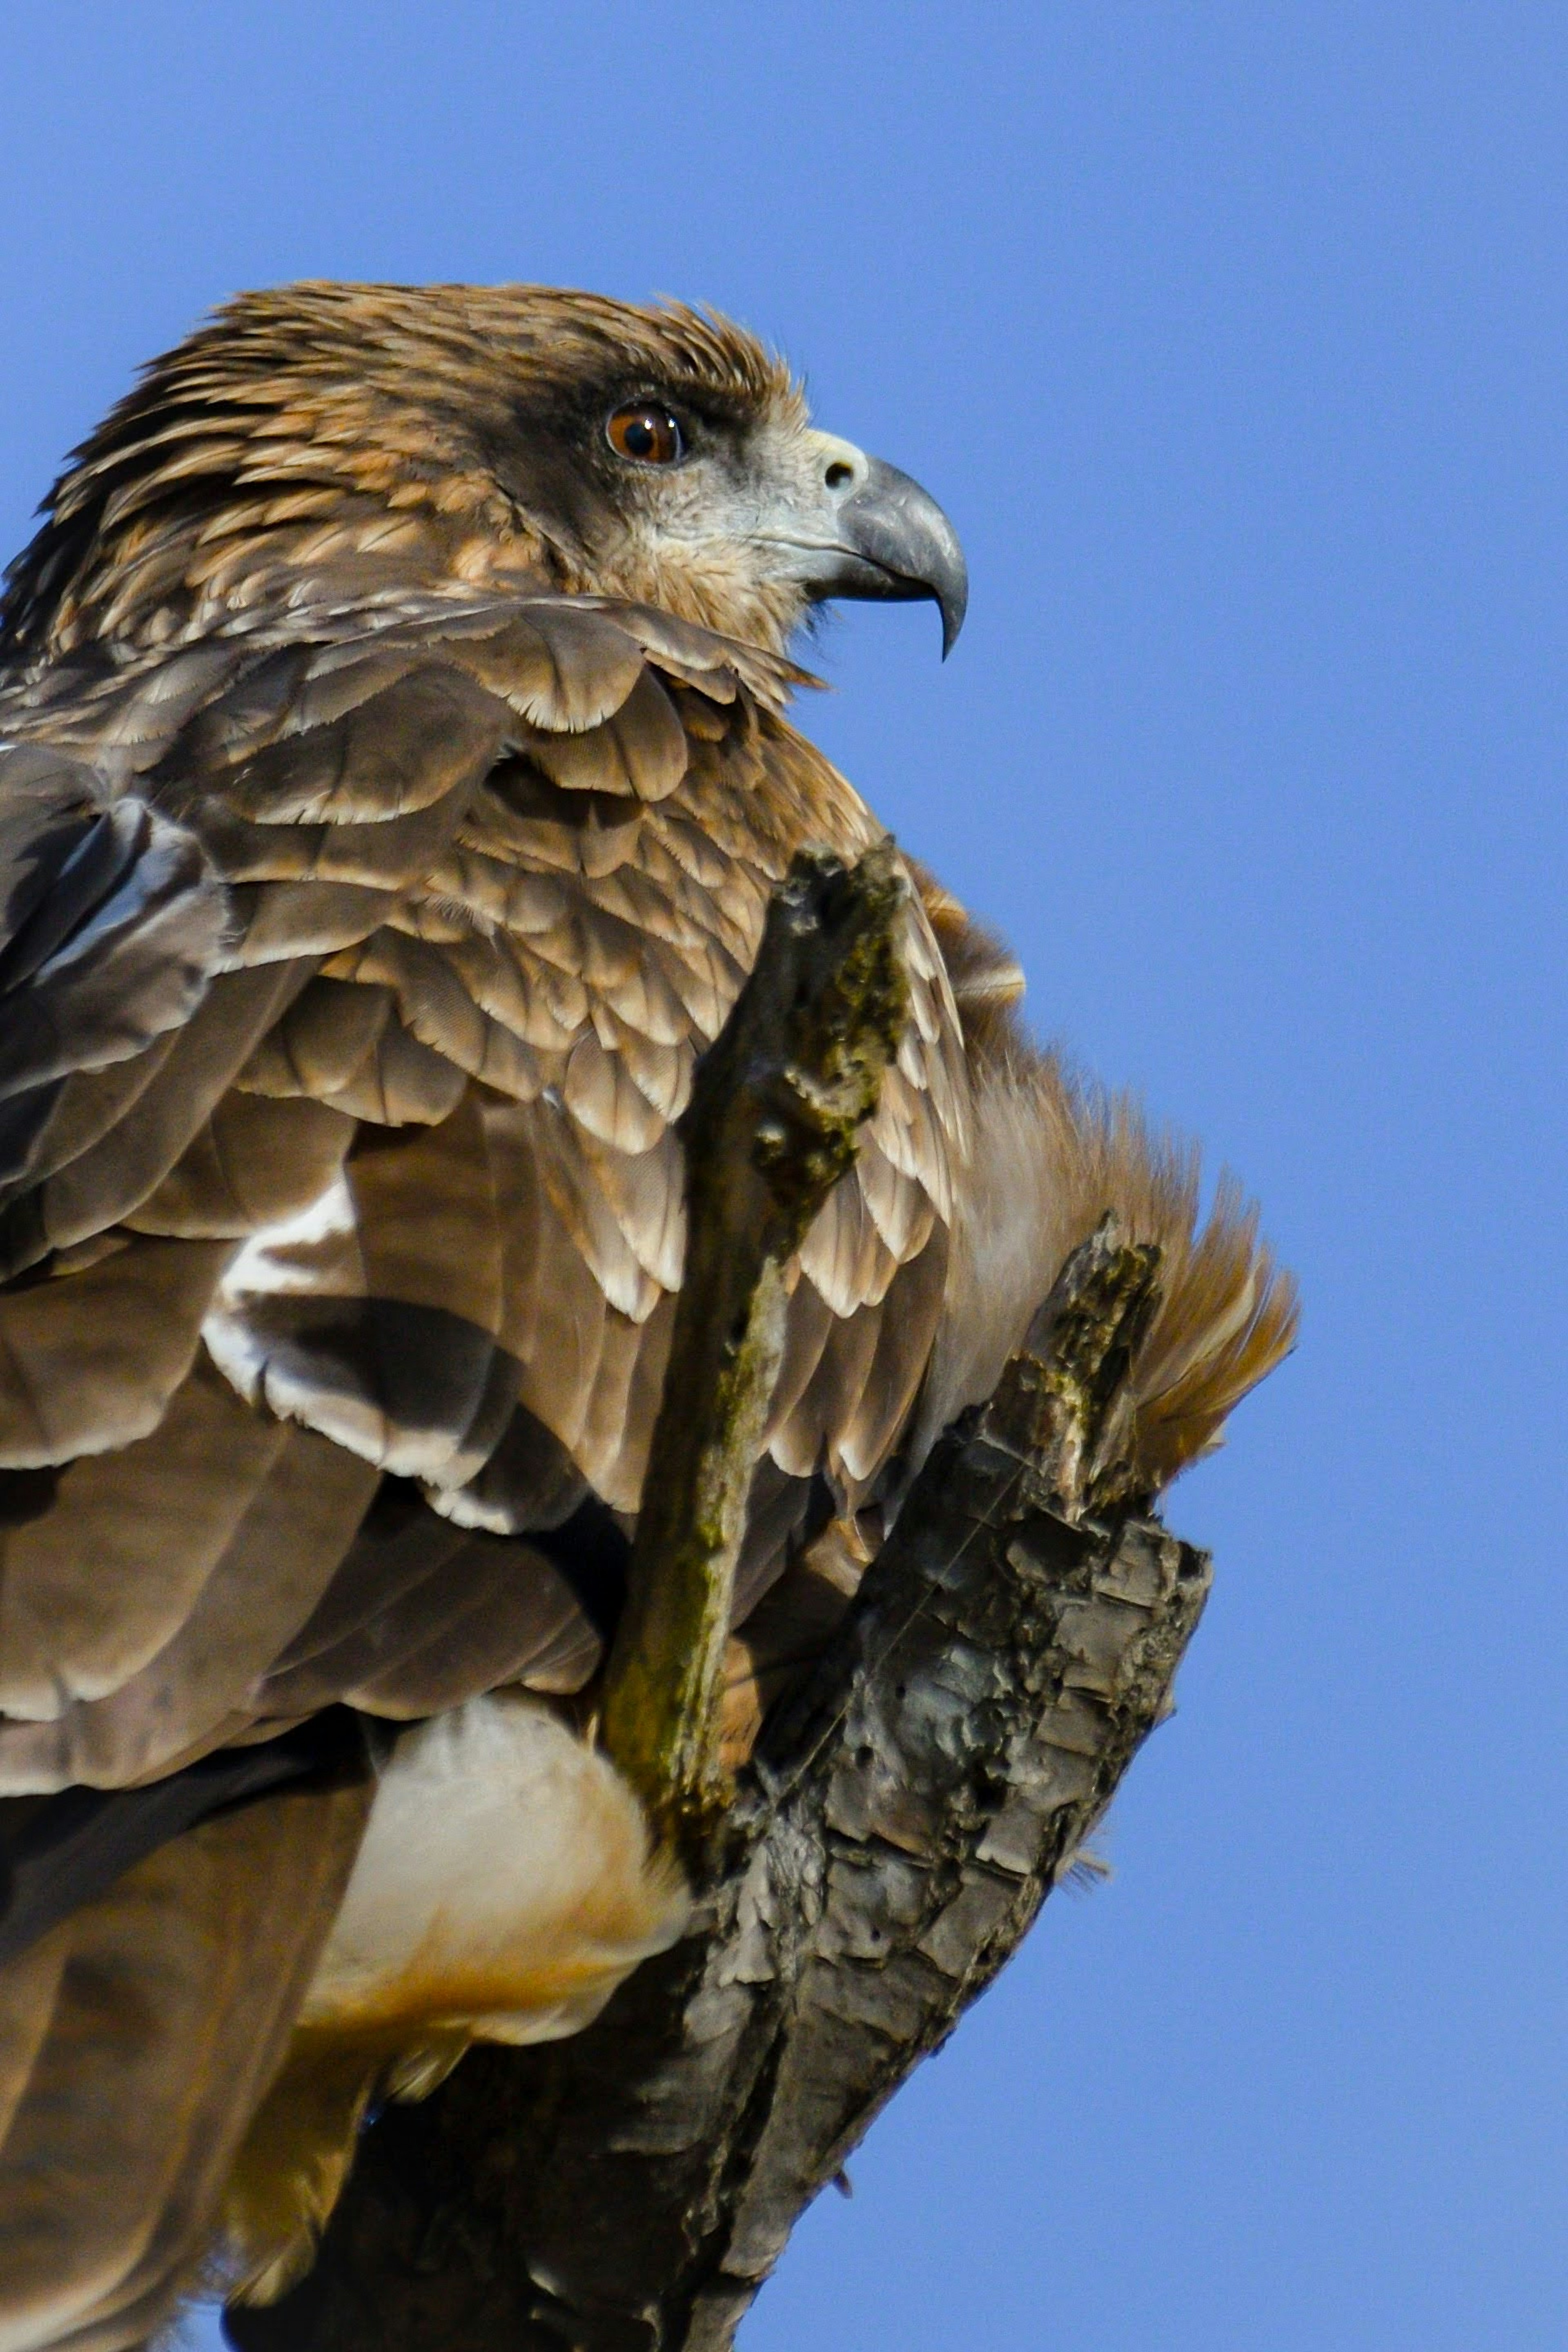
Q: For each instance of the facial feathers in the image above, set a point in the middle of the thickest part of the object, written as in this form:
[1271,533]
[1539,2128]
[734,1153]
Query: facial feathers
[393,433]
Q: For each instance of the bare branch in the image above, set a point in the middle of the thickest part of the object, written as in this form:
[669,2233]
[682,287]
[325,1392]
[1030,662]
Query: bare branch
[772,1126]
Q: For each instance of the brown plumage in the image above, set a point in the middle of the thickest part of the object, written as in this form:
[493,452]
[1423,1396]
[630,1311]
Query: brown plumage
[393,778]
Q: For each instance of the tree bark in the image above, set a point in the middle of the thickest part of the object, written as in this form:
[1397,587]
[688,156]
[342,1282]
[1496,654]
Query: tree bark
[906,1815]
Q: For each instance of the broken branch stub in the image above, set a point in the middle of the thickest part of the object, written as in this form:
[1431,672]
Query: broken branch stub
[1065,1405]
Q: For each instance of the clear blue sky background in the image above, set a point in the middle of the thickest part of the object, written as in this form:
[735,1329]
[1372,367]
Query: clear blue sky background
[1233,338]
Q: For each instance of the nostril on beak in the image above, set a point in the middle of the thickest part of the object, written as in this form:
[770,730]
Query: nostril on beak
[839,475]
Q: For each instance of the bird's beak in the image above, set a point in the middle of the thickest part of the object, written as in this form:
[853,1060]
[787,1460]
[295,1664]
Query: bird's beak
[875,533]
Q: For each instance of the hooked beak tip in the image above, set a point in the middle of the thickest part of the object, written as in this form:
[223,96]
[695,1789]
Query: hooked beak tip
[895,544]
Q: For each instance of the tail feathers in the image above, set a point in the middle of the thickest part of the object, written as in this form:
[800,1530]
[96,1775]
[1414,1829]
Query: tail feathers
[1051,1156]
[1228,1313]
[294,2161]
[136,2039]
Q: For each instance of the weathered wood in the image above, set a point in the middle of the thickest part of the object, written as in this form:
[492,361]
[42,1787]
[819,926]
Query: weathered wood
[770,1127]
[628,2190]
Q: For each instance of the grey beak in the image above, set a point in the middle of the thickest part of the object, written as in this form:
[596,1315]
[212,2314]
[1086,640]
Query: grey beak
[895,543]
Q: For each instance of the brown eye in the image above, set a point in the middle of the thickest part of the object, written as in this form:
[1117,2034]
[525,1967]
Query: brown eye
[647,434]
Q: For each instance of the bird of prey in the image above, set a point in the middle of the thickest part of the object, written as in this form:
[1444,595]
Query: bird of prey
[394,776]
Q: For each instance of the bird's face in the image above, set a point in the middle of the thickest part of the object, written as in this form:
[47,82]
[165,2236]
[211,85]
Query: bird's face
[471,432]
[734,511]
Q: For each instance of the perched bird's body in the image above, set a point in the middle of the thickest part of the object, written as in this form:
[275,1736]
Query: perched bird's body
[393,780]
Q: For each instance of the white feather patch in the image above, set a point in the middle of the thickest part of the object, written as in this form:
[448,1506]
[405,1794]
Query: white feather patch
[506,1884]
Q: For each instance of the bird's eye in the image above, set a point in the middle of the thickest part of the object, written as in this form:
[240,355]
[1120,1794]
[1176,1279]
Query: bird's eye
[647,434]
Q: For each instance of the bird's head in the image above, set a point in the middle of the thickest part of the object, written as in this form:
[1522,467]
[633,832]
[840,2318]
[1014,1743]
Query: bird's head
[330,436]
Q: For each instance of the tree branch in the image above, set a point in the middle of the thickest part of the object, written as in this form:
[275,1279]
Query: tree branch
[772,1126]
[906,1815]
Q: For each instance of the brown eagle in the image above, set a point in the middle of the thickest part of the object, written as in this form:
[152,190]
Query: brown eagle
[394,776]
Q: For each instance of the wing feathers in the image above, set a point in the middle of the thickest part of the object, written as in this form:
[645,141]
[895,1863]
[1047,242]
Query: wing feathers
[361,758]
[505,1613]
[323,1038]
[279,1508]
[251,1163]
[117,1172]
[89,1361]
[490,877]
[557,663]
[97,1583]
[110,920]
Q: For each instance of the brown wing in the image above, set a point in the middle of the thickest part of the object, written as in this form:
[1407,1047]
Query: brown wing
[384,1183]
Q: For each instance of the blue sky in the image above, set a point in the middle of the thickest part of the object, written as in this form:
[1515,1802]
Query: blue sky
[1233,339]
